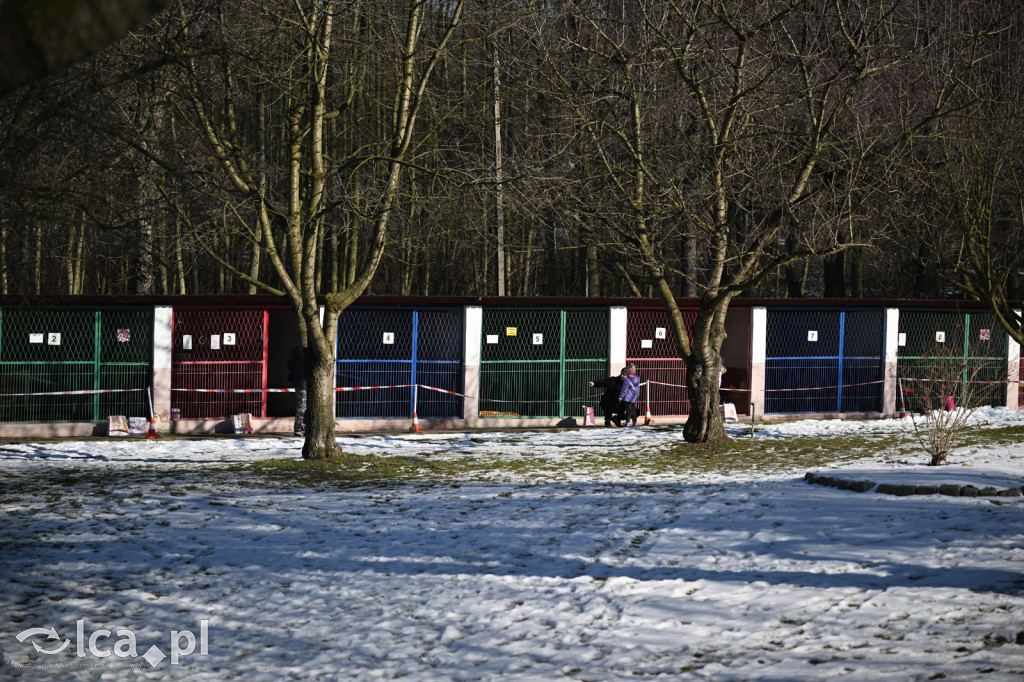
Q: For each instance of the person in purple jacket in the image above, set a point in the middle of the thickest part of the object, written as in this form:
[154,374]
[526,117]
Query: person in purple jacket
[628,396]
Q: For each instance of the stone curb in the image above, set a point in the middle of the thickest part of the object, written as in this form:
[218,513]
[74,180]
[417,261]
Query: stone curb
[903,490]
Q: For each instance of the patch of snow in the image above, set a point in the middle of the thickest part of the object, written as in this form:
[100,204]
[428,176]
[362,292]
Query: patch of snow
[567,575]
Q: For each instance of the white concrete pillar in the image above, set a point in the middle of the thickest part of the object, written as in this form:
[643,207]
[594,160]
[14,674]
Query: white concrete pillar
[758,348]
[1013,371]
[891,336]
[163,317]
[473,327]
[617,329]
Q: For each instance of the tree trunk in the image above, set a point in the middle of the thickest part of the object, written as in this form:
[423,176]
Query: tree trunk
[856,272]
[527,267]
[321,442]
[593,272]
[704,423]
[69,263]
[552,262]
[499,179]
[796,274]
[3,256]
[179,257]
[690,266]
[834,275]
[39,260]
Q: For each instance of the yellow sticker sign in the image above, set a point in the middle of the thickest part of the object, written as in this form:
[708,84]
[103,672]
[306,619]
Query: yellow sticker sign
[510,331]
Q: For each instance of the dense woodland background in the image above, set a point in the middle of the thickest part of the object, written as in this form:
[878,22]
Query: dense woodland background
[554,140]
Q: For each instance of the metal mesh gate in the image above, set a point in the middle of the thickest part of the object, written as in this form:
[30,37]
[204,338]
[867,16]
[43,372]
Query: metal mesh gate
[537,362]
[836,354]
[219,349]
[651,346]
[378,347]
[967,348]
[55,350]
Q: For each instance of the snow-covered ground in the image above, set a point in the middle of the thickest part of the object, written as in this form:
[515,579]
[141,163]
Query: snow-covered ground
[560,573]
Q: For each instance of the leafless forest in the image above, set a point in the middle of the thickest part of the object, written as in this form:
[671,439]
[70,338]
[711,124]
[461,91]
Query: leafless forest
[864,149]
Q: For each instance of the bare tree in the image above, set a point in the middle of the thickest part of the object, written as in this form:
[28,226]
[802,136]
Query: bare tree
[288,205]
[738,126]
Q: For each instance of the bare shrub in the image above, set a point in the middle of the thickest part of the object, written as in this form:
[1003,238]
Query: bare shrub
[947,400]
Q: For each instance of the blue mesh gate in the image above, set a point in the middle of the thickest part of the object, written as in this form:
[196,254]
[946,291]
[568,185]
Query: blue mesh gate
[537,362]
[651,346]
[387,347]
[57,350]
[836,353]
[963,348]
[219,349]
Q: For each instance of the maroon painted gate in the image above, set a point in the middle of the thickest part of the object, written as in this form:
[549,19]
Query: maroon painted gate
[222,349]
[651,346]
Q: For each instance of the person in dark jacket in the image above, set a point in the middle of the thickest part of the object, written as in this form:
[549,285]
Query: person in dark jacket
[610,400]
[628,395]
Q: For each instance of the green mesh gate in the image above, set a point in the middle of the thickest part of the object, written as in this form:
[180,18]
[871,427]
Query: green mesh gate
[51,350]
[536,363]
[968,348]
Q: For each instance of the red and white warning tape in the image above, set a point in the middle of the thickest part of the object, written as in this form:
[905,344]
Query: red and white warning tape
[91,392]
[441,390]
[773,390]
[594,396]
[958,381]
[292,390]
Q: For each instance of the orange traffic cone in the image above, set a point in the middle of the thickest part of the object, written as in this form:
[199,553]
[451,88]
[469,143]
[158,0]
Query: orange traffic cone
[647,416]
[415,424]
[151,434]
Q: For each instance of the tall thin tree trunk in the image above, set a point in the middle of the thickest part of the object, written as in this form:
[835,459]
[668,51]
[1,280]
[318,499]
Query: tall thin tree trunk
[690,266]
[855,259]
[499,178]
[69,262]
[3,256]
[593,272]
[179,258]
[552,286]
[39,260]
[527,265]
